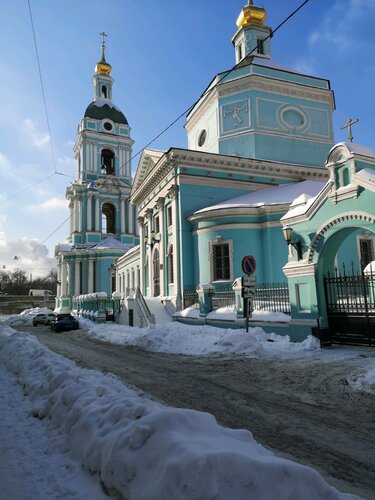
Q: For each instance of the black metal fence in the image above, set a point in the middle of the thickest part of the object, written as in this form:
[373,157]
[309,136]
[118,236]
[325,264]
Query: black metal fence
[272,297]
[349,292]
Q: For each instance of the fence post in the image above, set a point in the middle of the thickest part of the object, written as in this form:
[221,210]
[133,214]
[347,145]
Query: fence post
[205,292]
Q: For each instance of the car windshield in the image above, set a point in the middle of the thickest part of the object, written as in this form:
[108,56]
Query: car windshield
[64,316]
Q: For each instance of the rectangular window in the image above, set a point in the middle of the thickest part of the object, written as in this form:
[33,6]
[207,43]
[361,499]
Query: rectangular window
[220,261]
[366,251]
[169,216]
[157,225]
[260,46]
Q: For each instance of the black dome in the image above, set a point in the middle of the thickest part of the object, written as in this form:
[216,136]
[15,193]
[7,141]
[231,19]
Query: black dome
[99,111]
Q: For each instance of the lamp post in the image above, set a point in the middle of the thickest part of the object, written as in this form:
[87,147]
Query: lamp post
[297,245]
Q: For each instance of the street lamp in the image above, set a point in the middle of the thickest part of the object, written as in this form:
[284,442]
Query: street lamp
[297,245]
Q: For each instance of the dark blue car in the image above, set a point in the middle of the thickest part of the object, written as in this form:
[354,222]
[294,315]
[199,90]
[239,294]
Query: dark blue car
[64,323]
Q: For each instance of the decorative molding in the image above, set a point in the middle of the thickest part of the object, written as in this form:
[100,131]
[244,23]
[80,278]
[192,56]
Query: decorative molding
[276,86]
[173,191]
[297,269]
[237,225]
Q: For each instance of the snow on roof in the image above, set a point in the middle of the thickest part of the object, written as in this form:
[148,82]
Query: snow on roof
[359,149]
[105,102]
[111,243]
[367,173]
[278,195]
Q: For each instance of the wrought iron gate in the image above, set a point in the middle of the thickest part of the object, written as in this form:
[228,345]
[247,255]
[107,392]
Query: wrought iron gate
[350,299]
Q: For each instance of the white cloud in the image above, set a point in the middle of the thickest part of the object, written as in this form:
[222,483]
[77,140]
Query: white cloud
[31,256]
[50,204]
[342,26]
[34,136]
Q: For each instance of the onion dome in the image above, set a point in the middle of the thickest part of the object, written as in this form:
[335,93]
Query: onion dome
[101,109]
[102,67]
[251,15]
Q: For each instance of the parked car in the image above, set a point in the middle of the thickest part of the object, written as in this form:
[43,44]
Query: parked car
[64,323]
[43,319]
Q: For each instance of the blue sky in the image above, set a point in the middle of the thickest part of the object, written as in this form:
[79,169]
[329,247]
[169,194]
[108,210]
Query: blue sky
[163,55]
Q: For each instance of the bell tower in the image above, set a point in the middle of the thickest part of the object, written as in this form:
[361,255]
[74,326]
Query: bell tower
[99,198]
[251,35]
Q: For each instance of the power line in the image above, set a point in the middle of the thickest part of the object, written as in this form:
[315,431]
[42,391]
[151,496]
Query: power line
[42,86]
[211,89]
[26,188]
[206,93]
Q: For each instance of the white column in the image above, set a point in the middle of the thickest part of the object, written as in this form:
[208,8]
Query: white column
[91,277]
[63,279]
[173,194]
[130,217]
[142,254]
[79,215]
[160,213]
[71,205]
[77,280]
[97,213]
[58,279]
[88,209]
[122,215]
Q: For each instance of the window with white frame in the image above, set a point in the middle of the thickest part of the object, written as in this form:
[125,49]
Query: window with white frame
[366,250]
[221,260]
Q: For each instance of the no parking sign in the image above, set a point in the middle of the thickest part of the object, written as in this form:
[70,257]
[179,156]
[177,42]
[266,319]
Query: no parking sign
[249,264]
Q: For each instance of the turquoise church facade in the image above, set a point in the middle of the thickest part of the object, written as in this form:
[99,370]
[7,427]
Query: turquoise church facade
[102,223]
[261,177]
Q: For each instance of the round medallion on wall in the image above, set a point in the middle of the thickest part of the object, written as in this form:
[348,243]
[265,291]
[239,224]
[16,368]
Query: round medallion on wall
[294,118]
[202,138]
[108,126]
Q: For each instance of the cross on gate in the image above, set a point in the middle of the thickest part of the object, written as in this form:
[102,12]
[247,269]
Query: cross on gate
[348,125]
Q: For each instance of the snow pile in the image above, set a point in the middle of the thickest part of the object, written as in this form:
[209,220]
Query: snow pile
[366,380]
[201,340]
[141,449]
[26,316]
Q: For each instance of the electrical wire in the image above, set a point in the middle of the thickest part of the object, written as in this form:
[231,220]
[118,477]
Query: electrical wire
[42,86]
[184,113]
[211,89]
[27,188]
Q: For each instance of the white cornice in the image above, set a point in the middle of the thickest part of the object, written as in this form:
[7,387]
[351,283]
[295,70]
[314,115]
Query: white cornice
[297,269]
[237,225]
[239,212]
[276,86]
[222,163]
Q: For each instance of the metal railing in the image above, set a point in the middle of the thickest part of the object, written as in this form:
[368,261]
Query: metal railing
[273,297]
[142,304]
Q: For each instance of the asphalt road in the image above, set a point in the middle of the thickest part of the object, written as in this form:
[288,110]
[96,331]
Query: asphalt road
[302,409]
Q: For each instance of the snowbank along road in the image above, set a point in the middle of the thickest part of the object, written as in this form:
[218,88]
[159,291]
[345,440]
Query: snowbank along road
[301,408]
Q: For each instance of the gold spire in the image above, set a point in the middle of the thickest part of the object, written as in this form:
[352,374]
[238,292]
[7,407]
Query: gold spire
[102,67]
[251,15]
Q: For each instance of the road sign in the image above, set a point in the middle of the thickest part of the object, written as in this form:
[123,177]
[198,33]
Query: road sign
[249,281]
[248,293]
[249,264]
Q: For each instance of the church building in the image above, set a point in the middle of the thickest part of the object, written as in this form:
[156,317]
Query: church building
[261,182]
[102,224]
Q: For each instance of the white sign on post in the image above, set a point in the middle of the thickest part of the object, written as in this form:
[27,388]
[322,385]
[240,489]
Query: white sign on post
[248,281]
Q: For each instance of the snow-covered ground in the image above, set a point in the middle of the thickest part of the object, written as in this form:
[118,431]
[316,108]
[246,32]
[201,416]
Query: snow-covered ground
[73,428]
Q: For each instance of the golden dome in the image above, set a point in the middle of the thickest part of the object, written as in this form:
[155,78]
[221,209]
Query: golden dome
[102,67]
[251,15]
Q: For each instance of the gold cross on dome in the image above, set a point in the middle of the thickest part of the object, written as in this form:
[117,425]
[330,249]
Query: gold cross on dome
[103,41]
[348,125]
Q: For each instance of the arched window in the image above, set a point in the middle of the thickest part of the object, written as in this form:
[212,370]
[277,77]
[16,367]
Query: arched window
[108,161]
[104,91]
[345,177]
[127,282]
[108,218]
[170,265]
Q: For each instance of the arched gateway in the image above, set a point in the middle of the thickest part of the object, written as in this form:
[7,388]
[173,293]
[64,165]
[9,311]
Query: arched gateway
[334,282]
